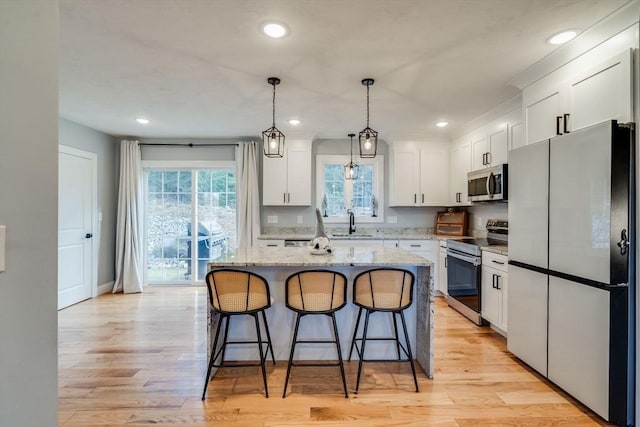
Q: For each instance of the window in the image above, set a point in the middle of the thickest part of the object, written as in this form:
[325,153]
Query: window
[363,195]
[177,198]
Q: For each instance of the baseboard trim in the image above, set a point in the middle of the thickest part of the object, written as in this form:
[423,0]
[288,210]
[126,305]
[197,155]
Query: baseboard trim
[105,287]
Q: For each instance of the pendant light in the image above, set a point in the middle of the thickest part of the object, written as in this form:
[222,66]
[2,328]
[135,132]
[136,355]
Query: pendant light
[368,137]
[272,138]
[351,169]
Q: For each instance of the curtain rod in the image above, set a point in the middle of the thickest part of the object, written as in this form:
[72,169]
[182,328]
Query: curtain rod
[190,145]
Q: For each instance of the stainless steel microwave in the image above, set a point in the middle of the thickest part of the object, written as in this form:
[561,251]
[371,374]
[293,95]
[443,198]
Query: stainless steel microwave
[488,185]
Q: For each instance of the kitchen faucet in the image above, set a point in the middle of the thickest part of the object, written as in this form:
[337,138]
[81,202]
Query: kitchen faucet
[352,221]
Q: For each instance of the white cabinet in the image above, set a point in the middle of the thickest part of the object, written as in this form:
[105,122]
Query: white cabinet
[356,243]
[490,149]
[602,92]
[286,181]
[460,166]
[419,176]
[494,289]
[428,249]
[442,271]
[270,243]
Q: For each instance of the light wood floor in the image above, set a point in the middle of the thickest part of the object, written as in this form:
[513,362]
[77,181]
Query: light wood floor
[137,360]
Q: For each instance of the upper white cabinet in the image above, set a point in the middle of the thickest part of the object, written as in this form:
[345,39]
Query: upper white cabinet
[490,148]
[286,181]
[590,96]
[419,174]
[460,166]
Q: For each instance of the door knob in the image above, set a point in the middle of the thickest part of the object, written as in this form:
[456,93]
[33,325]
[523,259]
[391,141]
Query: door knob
[88,236]
[623,243]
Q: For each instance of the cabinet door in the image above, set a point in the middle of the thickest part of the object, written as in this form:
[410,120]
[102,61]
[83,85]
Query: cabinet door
[491,297]
[274,181]
[601,93]
[517,137]
[405,177]
[541,107]
[434,177]
[503,283]
[460,166]
[299,177]
[442,272]
[479,149]
[498,145]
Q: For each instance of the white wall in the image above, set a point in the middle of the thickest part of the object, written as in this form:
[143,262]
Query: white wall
[29,209]
[106,148]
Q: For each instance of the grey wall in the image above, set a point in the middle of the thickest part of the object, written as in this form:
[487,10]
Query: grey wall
[106,148]
[29,209]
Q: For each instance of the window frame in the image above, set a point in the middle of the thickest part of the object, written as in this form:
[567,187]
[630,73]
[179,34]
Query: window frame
[182,165]
[377,181]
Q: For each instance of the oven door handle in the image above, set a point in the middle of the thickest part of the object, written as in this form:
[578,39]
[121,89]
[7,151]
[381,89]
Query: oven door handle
[468,258]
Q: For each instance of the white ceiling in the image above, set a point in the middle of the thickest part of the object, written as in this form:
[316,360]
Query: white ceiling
[198,68]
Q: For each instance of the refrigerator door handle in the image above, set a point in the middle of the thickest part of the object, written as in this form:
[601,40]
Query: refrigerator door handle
[623,243]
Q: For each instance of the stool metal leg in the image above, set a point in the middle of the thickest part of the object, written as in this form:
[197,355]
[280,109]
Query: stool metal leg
[364,341]
[266,328]
[406,337]
[395,333]
[224,340]
[262,356]
[355,332]
[212,357]
[293,348]
[335,332]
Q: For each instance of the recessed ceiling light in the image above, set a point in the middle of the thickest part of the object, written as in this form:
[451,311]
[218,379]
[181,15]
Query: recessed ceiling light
[274,29]
[442,124]
[142,121]
[562,37]
[294,122]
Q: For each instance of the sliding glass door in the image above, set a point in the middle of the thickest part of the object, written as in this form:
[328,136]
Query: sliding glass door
[177,251]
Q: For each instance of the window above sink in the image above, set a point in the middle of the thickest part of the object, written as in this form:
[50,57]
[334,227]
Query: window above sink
[342,194]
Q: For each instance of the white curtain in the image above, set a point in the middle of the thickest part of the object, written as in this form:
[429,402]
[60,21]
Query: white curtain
[247,155]
[129,238]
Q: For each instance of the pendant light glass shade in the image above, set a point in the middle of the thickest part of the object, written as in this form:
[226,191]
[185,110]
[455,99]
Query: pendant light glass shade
[272,138]
[351,169]
[368,137]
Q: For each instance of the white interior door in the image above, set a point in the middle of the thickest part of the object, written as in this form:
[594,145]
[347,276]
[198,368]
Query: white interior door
[76,204]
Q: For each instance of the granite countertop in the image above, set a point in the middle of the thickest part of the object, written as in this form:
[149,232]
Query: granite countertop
[268,257]
[361,236]
[497,249]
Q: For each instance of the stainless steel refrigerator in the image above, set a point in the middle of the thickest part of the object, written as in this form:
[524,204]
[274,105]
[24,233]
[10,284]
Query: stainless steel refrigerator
[571,291]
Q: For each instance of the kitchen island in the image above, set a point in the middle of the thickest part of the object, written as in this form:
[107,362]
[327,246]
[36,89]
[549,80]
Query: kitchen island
[276,264]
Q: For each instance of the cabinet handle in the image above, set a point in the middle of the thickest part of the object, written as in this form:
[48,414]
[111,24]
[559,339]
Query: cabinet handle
[415,198]
[484,159]
[493,281]
[288,197]
[272,245]
[416,246]
[422,197]
[558,118]
[488,158]
[497,262]
[497,282]
[446,262]
[566,122]
[284,197]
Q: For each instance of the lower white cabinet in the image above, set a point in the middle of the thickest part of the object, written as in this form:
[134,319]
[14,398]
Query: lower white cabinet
[442,271]
[426,249]
[356,243]
[495,282]
[270,243]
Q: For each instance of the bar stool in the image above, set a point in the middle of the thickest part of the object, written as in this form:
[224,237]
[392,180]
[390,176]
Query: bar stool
[383,290]
[316,292]
[234,293]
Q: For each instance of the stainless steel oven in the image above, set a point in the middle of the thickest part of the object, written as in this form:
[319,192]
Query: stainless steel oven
[464,269]
[464,277]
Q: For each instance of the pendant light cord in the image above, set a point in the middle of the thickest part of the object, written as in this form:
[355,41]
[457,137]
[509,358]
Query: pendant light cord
[273,105]
[368,105]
